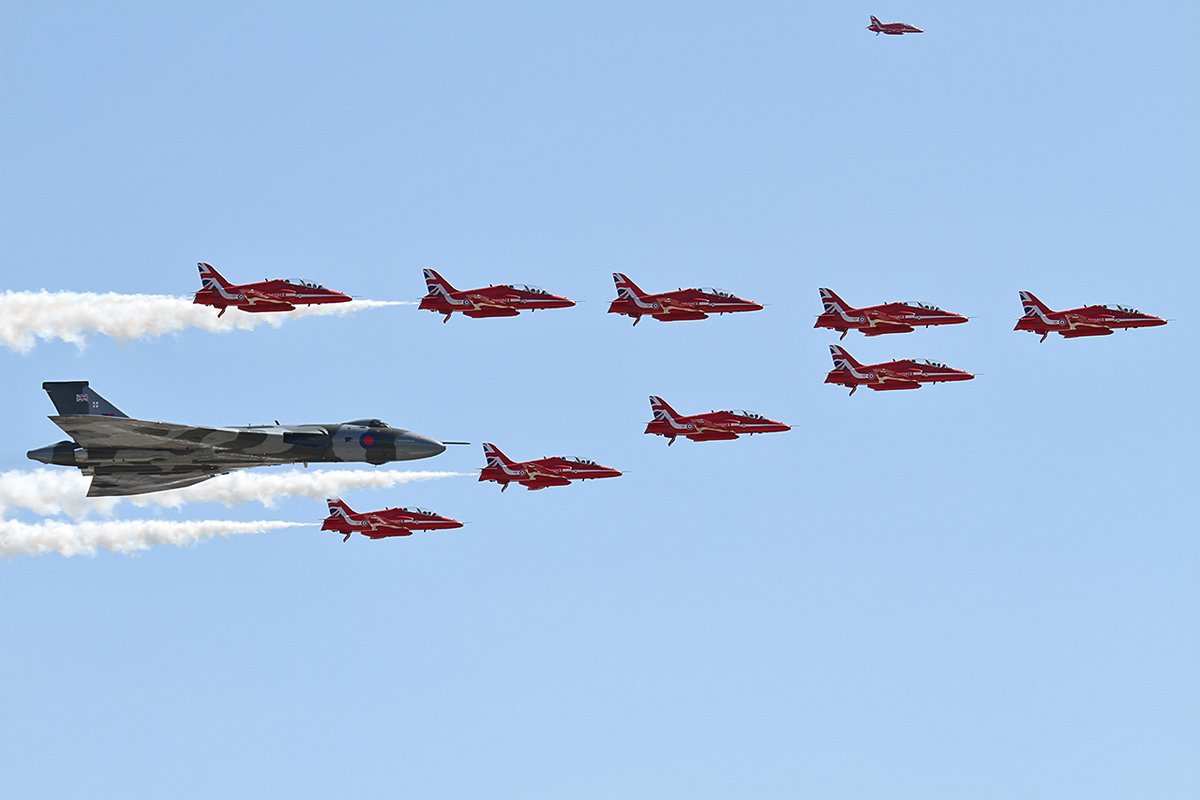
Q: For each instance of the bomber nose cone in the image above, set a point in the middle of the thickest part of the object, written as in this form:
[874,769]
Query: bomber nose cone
[424,447]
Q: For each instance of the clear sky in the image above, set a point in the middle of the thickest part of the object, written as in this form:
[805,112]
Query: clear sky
[982,590]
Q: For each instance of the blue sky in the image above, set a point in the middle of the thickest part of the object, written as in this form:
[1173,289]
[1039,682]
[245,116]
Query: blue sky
[981,590]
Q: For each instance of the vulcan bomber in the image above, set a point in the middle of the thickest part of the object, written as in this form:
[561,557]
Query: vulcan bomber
[127,456]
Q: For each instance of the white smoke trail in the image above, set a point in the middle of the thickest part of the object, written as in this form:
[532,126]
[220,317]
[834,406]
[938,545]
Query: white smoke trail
[124,536]
[62,491]
[26,317]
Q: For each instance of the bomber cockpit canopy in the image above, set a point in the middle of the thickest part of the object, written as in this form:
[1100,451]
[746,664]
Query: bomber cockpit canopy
[1125,309]
[741,412]
[718,292]
[585,461]
[930,363]
[369,423]
[525,287]
[919,304]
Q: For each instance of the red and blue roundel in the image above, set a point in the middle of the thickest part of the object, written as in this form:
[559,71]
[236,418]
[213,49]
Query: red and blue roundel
[367,440]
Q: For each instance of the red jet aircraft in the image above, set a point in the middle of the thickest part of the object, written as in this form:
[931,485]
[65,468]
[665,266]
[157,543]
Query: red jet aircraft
[903,374]
[491,301]
[876,320]
[714,426]
[271,295]
[892,28]
[543,472]
[1076,322]
[383,524]
[674,306]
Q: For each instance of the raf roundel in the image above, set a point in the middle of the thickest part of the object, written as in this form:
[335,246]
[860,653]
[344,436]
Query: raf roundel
[367,440]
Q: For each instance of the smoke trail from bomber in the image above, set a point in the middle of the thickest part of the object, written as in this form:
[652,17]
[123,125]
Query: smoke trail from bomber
[27,317]
[52,492]
[123,536]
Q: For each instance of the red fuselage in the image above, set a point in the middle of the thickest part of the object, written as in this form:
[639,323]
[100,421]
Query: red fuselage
[261,297]
[889,375]
[1075,323]
[503,300]
[685,304]
[714,426]
[892,28]
[544,472]
[386,523]
[886,318]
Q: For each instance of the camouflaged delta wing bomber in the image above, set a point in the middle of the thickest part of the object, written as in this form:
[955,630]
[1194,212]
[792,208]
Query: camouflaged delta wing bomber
[131,456]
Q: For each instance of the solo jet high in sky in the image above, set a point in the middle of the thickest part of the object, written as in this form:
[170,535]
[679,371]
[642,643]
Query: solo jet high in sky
[674,306]
[540,473]
[131,456]
[1076,322]
[506,300]
[270,295]
[876,320]
[890,375]
[385,523]
[892,28]
[714,426]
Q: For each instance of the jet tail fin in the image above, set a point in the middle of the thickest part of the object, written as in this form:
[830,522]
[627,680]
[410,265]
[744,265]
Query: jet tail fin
[1032,305]
[76,398]
[832,302]
[210,278]
[626,289]
[338,507]
[436,284]
[842,359]
[494,456]
[874,20]
[661,409]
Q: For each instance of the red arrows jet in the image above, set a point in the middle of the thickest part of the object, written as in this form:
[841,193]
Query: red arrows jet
[491,301]
[903,374]
[674,306]
[892,28]
[383,524]
[272,295]
[1076,322]
[876,320]
[717,425]
[543,472]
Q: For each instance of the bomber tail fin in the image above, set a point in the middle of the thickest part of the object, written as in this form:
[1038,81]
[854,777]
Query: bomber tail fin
[494,456]
[436,284]
[76,398]
[842,359]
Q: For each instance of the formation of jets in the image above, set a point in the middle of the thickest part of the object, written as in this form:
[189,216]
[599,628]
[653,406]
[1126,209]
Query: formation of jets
[126,456]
